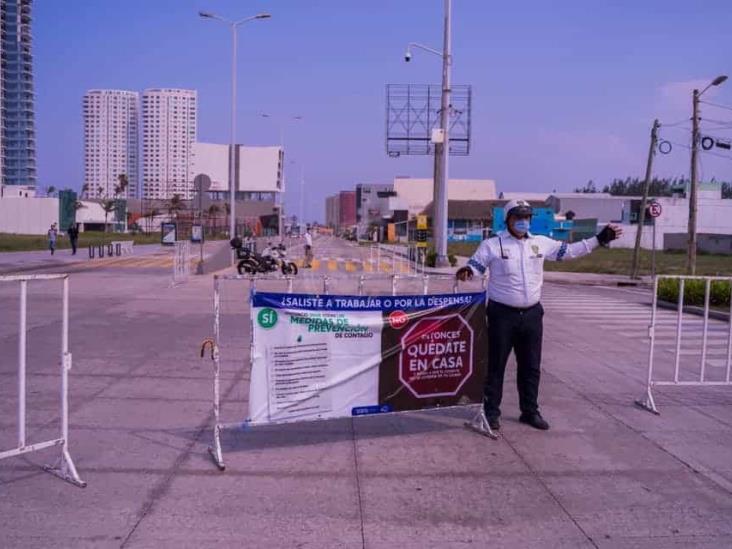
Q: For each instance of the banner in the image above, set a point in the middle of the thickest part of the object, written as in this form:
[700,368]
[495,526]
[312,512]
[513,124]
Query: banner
[325,356]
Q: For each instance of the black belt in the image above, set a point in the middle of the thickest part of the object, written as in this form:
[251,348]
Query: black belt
[510,308]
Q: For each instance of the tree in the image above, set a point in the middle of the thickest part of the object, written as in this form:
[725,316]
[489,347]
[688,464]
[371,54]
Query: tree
[213,211]
[588,188]
[100,190]
[108,207]
[175,205]
[151,215]
[50,191]
[122,184]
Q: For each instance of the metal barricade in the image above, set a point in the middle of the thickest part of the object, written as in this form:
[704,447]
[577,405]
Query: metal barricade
[229,344]
[702,356]
[64,468]
[181,262]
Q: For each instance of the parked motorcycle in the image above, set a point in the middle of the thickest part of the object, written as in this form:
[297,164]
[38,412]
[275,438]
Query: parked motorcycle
[272,259]
[278,254]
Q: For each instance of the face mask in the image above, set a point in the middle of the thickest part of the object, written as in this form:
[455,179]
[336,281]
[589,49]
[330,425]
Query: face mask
[521,226]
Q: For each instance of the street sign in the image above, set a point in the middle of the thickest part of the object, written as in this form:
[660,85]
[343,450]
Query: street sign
[654,209]
[202,184]
[435,357]
[421,222]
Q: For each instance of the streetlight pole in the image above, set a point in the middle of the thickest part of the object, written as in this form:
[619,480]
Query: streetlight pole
[234,25]
[442,146]
[692,240]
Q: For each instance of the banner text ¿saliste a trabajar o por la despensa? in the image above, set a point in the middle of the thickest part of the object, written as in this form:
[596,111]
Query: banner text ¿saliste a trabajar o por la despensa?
[317,357]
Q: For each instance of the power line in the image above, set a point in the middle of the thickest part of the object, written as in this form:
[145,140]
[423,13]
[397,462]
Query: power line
[679,123]
[718,105]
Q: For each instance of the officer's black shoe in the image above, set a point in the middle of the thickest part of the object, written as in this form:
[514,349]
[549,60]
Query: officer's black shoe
[535,420]
[494,424]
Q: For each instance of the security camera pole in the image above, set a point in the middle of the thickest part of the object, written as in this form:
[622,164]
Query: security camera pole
[442,144]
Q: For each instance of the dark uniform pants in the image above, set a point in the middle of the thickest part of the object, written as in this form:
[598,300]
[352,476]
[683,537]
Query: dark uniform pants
[519,330]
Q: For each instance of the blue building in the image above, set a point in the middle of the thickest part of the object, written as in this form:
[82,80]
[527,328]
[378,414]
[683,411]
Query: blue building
[17,124]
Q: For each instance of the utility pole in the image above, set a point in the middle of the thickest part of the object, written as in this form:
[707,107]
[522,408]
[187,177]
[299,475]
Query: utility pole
[644,201]
[442,150]
[691,250]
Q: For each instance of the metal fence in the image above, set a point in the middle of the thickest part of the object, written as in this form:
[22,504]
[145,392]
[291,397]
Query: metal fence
[181,261]
[230,346]
[698,339]
[64,468]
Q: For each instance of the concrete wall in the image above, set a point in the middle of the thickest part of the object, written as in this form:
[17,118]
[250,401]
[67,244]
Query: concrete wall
[27,215]
[417,193]
[602,207]
[714,217]
[710,243]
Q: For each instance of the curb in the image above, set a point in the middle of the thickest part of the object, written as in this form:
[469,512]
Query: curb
[693,310]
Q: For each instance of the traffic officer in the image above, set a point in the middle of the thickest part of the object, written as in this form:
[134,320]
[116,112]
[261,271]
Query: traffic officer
[515,259]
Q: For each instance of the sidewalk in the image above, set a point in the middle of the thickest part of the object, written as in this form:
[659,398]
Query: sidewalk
[14,262]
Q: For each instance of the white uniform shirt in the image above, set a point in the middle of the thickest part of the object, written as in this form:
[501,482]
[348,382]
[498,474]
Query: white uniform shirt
[517,266]
[308,239]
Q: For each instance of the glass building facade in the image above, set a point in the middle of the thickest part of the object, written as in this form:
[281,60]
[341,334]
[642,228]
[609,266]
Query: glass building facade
[17,121]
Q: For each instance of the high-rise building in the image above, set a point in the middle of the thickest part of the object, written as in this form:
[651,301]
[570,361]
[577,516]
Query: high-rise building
[18,138]
[168,135]
[111,143]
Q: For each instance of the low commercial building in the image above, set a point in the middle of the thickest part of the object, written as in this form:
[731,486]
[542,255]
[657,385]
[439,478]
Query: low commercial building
[417,193]
[372,206]
[467,220]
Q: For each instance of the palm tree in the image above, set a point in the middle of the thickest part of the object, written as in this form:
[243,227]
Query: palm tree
[100,190]
[108,207]
[213,211]
[122,184]
[152,215]
[175,205]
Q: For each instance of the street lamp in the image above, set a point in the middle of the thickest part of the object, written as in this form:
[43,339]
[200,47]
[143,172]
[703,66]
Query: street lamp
[692,240]
[442,143]
[234,25]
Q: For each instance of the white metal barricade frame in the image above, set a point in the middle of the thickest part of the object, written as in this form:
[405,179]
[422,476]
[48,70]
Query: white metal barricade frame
[64,468]
[648,402]
[181,262]
[215,450]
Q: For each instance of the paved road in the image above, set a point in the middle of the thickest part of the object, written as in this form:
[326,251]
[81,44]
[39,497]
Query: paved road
[606,475]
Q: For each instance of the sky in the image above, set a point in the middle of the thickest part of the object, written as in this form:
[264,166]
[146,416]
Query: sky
[563,92]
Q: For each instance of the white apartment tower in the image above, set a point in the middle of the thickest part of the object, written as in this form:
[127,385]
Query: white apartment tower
[169,132]
[111,143]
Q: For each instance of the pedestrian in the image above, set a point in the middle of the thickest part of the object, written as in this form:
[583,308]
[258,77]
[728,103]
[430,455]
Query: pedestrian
[308,249]
[52,235]
[73,234]
[515,259]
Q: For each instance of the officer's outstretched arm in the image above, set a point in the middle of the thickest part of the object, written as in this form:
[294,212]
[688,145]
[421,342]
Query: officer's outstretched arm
[562,251]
